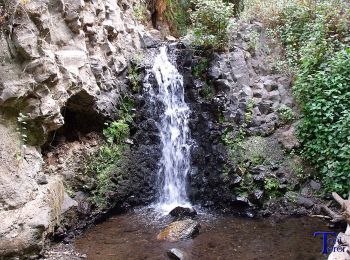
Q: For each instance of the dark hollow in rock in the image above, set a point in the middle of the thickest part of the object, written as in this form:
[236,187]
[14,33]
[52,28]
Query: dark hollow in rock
[182,212]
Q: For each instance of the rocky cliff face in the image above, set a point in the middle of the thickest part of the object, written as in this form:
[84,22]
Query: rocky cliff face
[61,49]
[57,58]
[241,157]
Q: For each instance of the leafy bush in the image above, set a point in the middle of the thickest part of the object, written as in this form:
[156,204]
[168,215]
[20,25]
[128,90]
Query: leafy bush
[109,155]
[325,129]
[200,69]
[316,39]
[271,186]
[177,14]
[117,131]
[210,20]
[140,11]
[104,164]
[285,114]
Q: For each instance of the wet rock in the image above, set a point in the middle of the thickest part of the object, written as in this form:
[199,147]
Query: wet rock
[182,212]
[180,230]
[305,202]
[147,41]
[241,202]
[256,197]
[176,254]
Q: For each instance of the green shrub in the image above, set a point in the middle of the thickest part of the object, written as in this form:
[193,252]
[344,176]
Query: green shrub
[104,165]
[140,11]
[315,35]
[177,14]
[325,128]
[207,92]
[117,131]
[271,185]
[200,69]
[285,114]
[209,21]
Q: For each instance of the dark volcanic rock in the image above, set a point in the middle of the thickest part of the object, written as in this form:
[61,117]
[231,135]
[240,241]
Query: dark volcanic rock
[306,202]
[181,212]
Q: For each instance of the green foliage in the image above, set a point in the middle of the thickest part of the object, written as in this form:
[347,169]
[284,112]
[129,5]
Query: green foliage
[271,185]
[325,129]
[210,20]
[315,35]
[207,92]
[177,14]
[201,68]
[22,127]
[248,115]
[104,163]
[233,140]
[253,41]
[285,114]
[247,184]
[134,74]
[140,11]
[101,166]
[125,107]
[22,130]
[116,131]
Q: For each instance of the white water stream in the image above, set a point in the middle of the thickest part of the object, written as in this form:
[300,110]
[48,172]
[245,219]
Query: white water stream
[174,132]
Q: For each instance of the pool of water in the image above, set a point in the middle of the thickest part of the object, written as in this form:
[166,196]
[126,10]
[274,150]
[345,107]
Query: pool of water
[133,236]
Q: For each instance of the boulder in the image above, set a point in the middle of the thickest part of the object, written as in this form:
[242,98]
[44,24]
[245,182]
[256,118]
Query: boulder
[305,202]
[180,230]
[182,212]
[287,137]
[29,210]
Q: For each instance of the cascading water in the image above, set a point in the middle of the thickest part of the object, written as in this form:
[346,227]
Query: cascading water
[174,131]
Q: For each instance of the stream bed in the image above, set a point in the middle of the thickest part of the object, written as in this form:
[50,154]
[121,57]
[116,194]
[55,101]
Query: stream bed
[133,236]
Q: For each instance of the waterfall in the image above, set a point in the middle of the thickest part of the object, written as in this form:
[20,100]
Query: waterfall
[173,113]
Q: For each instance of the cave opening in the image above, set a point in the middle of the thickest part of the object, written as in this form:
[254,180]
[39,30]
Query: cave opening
[80,119]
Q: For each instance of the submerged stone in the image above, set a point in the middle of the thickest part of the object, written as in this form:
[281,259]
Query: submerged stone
[180,230]
[176,254]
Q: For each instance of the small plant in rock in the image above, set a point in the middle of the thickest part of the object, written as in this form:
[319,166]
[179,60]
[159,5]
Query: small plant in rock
[253,41]
[135,77]
[109,155]
[140,11]
[201,68]
[103,165]
[271,185]
[22,124]
[285,114]
[248,116]
[246,185]
[210,20]
[117,131]
[207,92]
